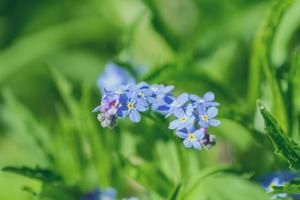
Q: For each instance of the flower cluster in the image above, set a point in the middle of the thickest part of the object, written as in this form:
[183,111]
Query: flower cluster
[193,114]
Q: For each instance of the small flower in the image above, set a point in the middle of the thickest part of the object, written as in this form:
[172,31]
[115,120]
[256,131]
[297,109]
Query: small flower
[171,104]
[184,118]
[108,194]
[159,92]
[191,137]
[206,117]
[207,100]
[112,77]
[131,106]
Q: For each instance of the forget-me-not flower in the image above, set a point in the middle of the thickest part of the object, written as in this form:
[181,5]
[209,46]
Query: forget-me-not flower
[191,136]
[185,118]
[131,105]
[206,117]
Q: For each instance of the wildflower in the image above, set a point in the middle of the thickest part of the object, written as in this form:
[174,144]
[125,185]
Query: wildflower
[193,114]
[131,105]
[279,179]
[191,137]
[108,194]
[184,118]
[206,116]
[112,77]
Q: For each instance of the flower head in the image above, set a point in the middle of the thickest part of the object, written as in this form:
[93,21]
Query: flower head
[185,118]
[191,136]
[131,105]
[206,116]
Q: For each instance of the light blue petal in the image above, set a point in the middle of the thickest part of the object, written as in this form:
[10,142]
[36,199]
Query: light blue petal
[168,88]
[181,134]
[189,110]
[214,122]
[194,97]
[203,124]
[196,144]
[97,109]
[182,99]
[199,134]
[179,113]
[209,96]
[212,112]
[134,116]
[174,124]
[187,143]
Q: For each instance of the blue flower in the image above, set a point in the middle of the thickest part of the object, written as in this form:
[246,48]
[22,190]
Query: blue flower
[112,77]
[159,93]
[143,91]
[171,104]
[184,118]
[108,194]
[191,136]
[207,100]
[131,105]
[206,116]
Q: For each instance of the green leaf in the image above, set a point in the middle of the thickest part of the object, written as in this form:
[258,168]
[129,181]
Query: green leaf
[283,144]
[224,186]
[44,175]
[175,193]
[161,27]
[261,59]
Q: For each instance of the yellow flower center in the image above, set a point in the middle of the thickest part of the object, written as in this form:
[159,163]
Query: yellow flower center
[191,136]
[204,117]
[183,119]
[130,106]
[118,91]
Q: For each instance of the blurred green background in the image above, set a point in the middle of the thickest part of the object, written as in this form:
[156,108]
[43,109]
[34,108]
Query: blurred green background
[52,51]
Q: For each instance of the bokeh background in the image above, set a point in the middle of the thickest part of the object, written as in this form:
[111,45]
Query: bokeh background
[52,51]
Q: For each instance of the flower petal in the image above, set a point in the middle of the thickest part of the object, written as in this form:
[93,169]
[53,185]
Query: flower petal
[134,116]
[168,88]
[182,99]
[196,144]
[199,134]
[174,124]
[178,113]
[209,96]
[212,112]
[187,143]
[97,109]
[214,122]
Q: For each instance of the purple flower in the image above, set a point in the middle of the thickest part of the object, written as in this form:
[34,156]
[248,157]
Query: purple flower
[171,104]
[112,77]
[131,105]
[184,119]
[206,116]
[191,137]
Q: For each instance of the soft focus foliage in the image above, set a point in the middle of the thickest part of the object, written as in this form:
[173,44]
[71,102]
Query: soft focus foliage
[53,51]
